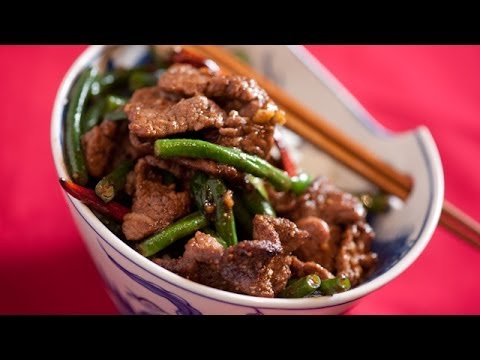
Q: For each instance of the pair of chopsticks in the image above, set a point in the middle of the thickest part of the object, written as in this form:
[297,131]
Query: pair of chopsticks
[319,132]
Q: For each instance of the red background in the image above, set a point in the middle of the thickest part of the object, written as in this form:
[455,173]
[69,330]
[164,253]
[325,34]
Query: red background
[44,266]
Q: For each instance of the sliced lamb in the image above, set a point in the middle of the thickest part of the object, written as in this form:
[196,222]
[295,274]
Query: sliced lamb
[267,227]
[326,201]
[236,92]
[200,261]
[354,259]
[152,115]
[244,268]
[124,149]
[285,232]
[247,267]
[259,267]
[179,171]
[99,146]
[300,269]
[183,168]
[212,168]
[280,267]
[142,146]
[244,134]
[155,205]
[262,263]
[184,80]
[320,246]
[282,201]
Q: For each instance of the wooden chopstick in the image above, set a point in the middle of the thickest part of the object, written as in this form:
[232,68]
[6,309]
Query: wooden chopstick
[322,134]
[468,229]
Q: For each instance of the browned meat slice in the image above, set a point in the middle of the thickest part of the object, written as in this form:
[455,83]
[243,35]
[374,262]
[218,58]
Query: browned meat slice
[339,239]
[288,235]
[98,147]
[252,115]
[354,259]
[211,167]
[155,205]
[244,95]
[280,266]
[300,269]
[124,149]
[130,183]
[152,115]
[244,134]
[247,267]
[184,80]
[252,267]
[324,200]
[200,261]
[172,166]
[237,92]
[151,99]
[263,228]
[319,247]
[183,168]
[235,87]
[142,146]
[269,228]
[283,202]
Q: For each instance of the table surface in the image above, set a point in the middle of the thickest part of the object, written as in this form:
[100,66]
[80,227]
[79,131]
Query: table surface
[45,268]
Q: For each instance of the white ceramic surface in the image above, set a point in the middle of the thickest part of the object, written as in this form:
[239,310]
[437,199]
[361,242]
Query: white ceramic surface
[137,285]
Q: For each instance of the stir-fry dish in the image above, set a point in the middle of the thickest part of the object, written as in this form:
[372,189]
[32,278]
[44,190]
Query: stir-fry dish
[187,165]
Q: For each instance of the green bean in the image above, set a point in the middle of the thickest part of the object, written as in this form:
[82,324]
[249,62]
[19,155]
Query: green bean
[302,287]
[93,115]
[102,107]
[105,82]
[258,184]
[242,216]
[200,193]
[224,218]
[215,236]
[73,126]
[180,229]
[257,204]
[375,203]
[335,285]
[203,198]
[116,115]
[300,183]
[256,199]
[139,79]
[242,161]
[291,281]
[111,184]
[114,102]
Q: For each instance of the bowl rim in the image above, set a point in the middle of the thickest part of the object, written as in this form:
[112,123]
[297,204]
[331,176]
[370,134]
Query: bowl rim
[422,135]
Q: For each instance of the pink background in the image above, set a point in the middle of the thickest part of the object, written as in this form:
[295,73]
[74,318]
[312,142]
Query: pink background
[44,266]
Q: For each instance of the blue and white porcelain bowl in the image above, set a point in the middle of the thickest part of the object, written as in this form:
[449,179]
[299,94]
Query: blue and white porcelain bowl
[139,286]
